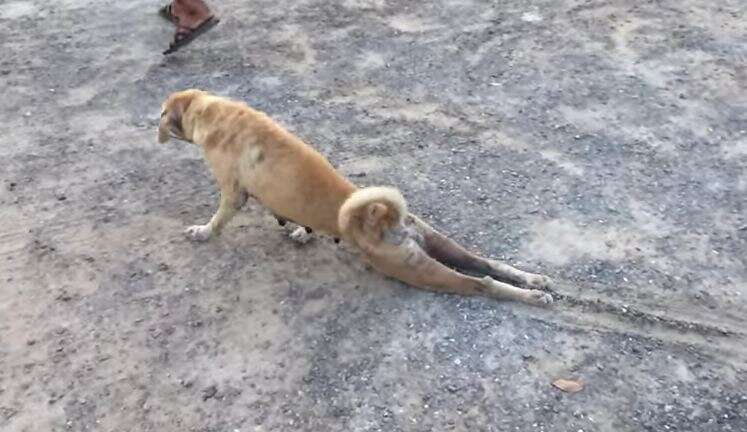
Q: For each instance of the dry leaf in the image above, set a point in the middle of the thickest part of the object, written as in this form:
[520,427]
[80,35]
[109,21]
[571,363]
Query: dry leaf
[570,386]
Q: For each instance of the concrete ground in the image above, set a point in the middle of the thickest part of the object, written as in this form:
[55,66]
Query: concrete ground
[601,142]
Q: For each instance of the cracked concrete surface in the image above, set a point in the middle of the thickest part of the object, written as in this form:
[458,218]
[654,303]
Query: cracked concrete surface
[601,142]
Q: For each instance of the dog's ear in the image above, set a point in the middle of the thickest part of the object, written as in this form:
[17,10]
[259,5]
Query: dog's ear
[163,128]
[172,116]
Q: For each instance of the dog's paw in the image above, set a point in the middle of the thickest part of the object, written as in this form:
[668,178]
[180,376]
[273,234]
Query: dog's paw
[539,282]
[539,298]
[300,235]
[199,233]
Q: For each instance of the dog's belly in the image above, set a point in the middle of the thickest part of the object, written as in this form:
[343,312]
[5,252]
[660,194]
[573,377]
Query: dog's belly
[297,210]
[294,191]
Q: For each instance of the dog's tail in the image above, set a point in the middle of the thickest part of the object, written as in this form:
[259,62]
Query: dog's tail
[369,211]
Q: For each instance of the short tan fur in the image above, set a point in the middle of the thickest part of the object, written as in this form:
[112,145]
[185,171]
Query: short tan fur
[250,154]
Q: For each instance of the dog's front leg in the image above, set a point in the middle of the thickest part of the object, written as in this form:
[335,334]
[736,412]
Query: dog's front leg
[231,200]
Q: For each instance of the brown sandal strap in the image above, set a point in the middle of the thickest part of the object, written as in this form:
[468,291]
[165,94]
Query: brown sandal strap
[184,35]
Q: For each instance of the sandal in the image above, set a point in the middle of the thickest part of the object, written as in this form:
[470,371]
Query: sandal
[185,35]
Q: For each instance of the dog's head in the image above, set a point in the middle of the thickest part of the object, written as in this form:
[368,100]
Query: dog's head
[174,115]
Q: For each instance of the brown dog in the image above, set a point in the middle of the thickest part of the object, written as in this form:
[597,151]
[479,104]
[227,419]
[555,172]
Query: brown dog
[250,154]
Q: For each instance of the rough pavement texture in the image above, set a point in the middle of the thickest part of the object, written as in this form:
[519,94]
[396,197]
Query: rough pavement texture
[601,142]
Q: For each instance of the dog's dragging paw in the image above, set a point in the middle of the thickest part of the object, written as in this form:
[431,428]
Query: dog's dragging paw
[300,235]
[199,233]
[539,298]
[539,282]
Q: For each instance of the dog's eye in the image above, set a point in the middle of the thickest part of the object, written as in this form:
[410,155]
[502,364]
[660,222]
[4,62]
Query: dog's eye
[163,113]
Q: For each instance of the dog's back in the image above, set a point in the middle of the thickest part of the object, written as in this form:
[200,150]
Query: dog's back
[285,174]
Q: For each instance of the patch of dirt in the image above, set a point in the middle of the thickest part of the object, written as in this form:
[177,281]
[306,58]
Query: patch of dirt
[601,143]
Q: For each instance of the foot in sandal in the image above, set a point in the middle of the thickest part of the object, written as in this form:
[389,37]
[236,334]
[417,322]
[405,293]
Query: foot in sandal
[191,18]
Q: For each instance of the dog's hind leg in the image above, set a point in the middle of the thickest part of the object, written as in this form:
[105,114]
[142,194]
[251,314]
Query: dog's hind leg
[434,276]
[450,253]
